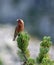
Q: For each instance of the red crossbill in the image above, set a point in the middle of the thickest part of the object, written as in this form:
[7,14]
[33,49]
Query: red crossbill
[19,28]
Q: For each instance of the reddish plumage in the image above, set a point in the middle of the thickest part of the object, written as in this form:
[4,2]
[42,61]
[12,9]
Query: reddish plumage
[19,27]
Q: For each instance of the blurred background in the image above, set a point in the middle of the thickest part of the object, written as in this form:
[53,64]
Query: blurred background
[38,16]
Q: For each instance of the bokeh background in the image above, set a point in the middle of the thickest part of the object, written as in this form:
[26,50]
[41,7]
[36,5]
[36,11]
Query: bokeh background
[38,16]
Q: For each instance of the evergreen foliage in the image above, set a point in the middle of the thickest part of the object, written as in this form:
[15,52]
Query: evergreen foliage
[43,57]
[23,42]
[44,48]
[1,63]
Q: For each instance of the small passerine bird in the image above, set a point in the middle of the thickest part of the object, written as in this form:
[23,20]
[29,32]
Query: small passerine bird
[19,28]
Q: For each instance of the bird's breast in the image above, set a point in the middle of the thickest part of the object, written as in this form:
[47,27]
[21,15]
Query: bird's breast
[20,28]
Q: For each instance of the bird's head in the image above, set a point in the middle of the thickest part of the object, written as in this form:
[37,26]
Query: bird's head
[20,22]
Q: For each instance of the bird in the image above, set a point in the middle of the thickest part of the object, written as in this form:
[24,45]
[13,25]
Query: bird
[19,28]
